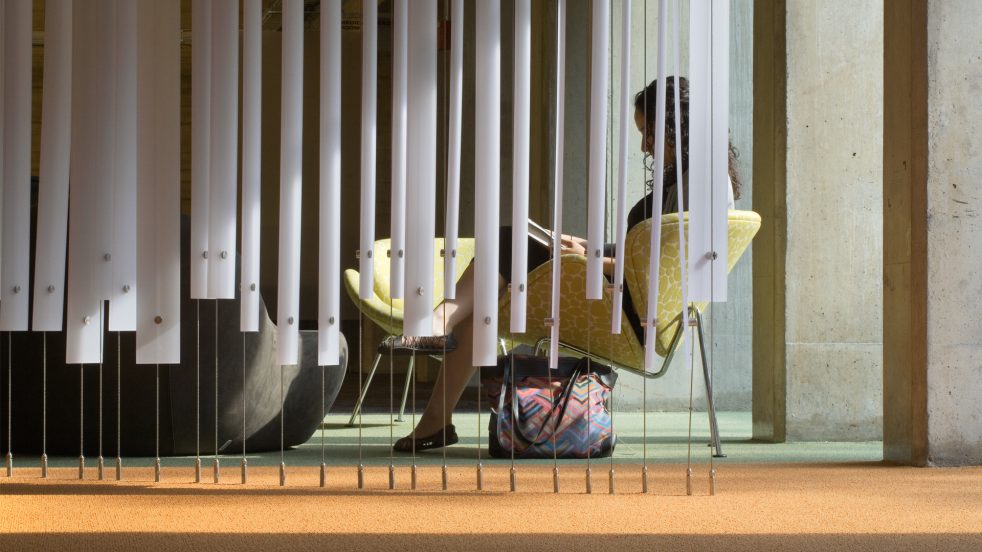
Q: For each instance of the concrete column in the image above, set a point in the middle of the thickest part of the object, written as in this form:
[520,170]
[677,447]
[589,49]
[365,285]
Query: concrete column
[933,341]
[833,309]
[905,283]
[770,201]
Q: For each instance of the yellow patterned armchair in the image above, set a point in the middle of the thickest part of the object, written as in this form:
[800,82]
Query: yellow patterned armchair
[585,325]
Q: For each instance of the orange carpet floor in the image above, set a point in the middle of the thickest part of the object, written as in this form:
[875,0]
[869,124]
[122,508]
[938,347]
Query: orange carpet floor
[757,507]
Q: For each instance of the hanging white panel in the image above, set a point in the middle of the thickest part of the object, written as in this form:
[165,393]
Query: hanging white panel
[397,244]
[329,291]
[224,148]
[201,74]
[708,139]
[369,96]
[251,128]
[421,169]
[122,298]
[600,70]
[520,167]
[557,207]
[677,99]
[15,268]
[91,170]
[291,146]
[105,106]
[2,19]
[452,220]
[56,124]
[158,332]
[720,140]
[650,343]
[626,121]
[487,181]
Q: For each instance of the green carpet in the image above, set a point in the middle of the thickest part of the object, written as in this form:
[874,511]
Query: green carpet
[666,442]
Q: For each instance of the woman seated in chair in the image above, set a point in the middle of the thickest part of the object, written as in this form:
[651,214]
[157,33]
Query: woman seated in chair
[435,427]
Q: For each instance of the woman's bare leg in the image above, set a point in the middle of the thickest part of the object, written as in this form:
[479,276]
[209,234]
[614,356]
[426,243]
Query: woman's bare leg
[453,311]
[455,372]
[457,368]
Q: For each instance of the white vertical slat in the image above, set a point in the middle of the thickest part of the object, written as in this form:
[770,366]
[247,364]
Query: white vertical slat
[201,74]
[397,244]
[677,99]
[251,155]
[654,262]
[720,146]
[520,169]
[158,331]
[122,297]
[626,121]
[421,169]
[14,300]
[224,148]
[487,181]
[103,186]
[2,103]
[91,170]
[329,262]
[291,182]
[369,96]
[600,71]
[452,221]
[56,124]
[700,154]
[557,207]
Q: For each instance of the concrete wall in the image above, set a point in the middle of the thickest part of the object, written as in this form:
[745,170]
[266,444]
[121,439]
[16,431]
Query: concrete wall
[834,224]
[954,192]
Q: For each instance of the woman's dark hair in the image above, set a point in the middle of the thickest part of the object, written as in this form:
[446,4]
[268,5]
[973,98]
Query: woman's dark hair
[645,102]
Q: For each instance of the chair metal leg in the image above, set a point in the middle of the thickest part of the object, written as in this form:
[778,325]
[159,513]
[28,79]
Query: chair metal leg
[364,389]
[405,389]
[713,425]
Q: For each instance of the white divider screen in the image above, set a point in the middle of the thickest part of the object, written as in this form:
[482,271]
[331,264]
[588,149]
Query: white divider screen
[720,31]
[251,128]
[329,292]
[122,297]
[557,207]
[224,148]
[487,181]
[397,244]
[56,125]
[452,224]
[91,170]
[369,97]
[16,234]
[600,71]
[520,168]
[708,144]
[201,29]
[158,332]
[2,19]
[421,169]
[291,175]
[654,262]
[620,227]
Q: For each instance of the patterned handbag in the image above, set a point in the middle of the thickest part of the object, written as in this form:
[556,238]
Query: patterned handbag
[562,412]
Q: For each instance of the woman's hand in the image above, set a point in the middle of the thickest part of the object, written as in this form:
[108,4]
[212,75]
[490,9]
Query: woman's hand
[571,245]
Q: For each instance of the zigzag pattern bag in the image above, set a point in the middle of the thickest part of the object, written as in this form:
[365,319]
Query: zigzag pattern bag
[563,411]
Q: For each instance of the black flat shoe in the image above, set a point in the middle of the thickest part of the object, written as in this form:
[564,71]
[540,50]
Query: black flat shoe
[430,442]
[406,345]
